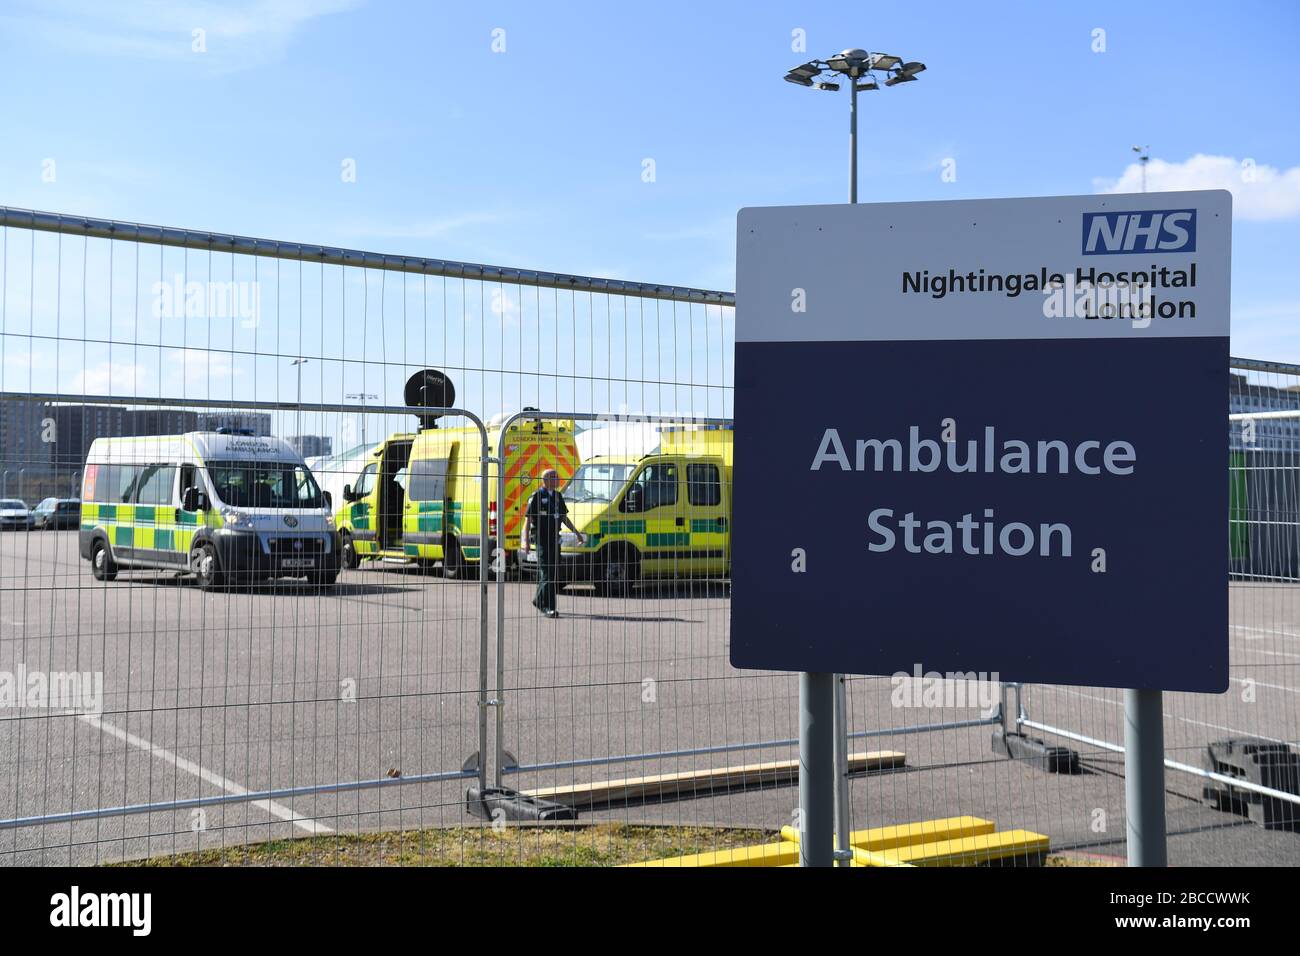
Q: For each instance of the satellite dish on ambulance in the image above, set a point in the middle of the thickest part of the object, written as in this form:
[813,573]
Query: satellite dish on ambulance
[429,388]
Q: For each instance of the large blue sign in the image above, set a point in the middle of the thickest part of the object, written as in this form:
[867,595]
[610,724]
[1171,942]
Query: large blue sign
[984,455]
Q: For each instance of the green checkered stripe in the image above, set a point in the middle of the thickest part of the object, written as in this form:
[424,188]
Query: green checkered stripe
[359,516]
[148,527]
[429,516]
[636,527]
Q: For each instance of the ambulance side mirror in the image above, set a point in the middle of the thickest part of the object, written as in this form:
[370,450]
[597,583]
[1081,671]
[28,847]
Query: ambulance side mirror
[347,493]
[329,501]
[194,500]
[634,500]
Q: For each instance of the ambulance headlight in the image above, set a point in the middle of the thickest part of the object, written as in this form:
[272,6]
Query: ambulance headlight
[235,519]
[568,540]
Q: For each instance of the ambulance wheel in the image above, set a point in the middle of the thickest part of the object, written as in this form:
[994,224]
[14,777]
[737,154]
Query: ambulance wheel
[348,552]
[102,565]
[619,571]
[207,567]
[453,562]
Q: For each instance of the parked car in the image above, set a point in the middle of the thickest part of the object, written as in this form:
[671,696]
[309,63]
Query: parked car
[14,514]
[54,514]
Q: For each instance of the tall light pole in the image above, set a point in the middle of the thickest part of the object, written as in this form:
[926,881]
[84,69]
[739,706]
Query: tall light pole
[855,65]
[299,363]
[823,698]
[1144,157]
[363,397]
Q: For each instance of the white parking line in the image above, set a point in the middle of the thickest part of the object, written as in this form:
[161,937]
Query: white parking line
[190,767]
[1180,717]
[1265,650]
[1262,632]
[1246,682]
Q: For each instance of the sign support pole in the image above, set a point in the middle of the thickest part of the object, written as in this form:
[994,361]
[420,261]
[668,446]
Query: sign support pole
[816,769]
[1144,777]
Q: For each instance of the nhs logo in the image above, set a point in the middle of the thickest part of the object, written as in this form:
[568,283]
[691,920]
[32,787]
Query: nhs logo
[1150,230]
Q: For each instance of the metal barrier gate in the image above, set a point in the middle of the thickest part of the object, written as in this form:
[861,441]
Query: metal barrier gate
[152,716]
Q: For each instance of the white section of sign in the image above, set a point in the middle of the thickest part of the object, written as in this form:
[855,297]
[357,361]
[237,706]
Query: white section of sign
[945,270]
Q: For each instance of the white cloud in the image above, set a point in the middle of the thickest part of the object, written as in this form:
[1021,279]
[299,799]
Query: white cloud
[22,359]
[109,378]
[236,33]
[1258,191]
[200,367]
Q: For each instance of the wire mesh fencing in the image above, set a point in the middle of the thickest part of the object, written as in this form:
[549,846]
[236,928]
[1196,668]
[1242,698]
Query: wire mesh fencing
[159,388]
[395,690]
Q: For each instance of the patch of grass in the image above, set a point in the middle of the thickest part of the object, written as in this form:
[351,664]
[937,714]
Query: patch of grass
[1081,859]
[604,844]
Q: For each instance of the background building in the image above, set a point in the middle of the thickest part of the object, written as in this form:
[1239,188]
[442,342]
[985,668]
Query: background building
[1270,434]
[312,446]
[43,445]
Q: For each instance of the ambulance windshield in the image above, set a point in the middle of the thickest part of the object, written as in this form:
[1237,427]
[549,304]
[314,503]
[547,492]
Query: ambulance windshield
[597,481]
[263,484]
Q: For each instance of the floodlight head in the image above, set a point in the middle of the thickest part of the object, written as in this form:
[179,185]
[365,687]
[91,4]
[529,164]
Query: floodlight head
[801,80]
[828,86]
[806,70]
[867,86]
[849,61]
[900,78]
[911,68]
[884,61]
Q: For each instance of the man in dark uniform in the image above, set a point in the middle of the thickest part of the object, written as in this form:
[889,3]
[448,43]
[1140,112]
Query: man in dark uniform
[546,513]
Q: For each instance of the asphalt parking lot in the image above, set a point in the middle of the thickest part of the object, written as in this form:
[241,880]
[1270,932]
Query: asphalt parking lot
[210,694]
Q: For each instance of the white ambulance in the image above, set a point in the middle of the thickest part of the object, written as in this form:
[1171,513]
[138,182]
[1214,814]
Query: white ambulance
[227,506]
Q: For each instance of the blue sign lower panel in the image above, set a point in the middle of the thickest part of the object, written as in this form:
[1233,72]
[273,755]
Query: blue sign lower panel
[1155,618]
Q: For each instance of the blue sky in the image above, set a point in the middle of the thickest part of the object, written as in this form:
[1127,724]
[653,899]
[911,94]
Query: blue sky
[534,156]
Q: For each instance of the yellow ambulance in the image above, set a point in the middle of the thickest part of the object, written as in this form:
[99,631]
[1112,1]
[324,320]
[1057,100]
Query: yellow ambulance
[662,516]
[417,498]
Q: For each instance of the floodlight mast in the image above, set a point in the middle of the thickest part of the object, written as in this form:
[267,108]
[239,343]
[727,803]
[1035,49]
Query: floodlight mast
[1144,157]
[854,64]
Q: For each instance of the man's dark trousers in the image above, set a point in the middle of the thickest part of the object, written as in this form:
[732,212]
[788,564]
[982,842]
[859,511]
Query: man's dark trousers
[548,558]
